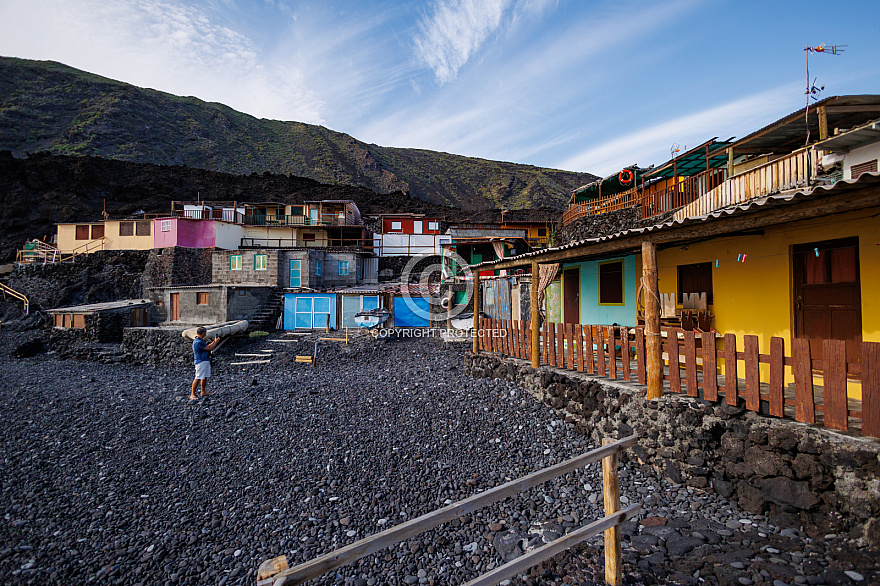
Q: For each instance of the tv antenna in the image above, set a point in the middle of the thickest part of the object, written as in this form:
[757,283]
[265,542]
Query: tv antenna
[812,92]
[674,150]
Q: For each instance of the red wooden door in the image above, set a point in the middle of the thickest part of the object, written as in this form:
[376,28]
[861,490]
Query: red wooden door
[571,288]
[175,307]
[827,295]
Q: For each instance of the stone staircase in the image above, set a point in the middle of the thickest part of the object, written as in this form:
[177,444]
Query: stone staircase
[267,316]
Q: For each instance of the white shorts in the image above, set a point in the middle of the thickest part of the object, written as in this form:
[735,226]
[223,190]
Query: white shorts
[203,369]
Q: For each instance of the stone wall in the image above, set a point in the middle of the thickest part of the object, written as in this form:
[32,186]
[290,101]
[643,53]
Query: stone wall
[798,475]
[156,345]
[177,266]
[600,225]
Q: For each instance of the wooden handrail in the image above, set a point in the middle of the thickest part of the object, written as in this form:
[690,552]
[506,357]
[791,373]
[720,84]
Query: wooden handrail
[353,552]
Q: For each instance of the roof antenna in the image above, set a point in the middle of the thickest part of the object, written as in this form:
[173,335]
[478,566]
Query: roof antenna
[812,90]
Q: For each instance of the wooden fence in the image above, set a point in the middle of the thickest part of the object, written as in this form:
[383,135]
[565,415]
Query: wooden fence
[618,352]
[275,572]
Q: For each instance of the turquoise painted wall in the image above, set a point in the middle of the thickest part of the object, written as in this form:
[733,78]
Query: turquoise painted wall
[595,314]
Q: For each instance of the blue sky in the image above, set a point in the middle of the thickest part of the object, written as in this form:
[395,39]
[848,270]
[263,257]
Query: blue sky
[579,85]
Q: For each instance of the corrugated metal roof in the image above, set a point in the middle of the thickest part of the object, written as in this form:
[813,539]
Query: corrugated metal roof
[859,136]
[864,180]
[109,305]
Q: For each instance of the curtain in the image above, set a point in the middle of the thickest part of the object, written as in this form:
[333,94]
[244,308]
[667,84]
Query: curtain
[546,274]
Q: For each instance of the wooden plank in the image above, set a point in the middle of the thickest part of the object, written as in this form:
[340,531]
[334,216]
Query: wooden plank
[690,364]
[600,350]
[624,352]
[612,353]
[569,347]
[834,383]
[611,498]
[545,349]
[560,345]
[674,364]
[588,349]
[521,564]
[354,551]
[804,404]
[753,373]
[871,389]
[640,356]
[551,340]
[777,376]
[710,372]
[271,567]
[579,349]
[249,362]
[730,384]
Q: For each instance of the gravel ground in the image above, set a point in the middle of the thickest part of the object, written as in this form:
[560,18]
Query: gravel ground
[110,475]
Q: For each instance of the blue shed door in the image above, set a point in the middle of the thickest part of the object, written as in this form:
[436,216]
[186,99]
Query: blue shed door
[296,273]
[412,312]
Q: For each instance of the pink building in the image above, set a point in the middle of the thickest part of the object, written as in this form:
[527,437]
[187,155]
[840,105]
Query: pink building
[190,233]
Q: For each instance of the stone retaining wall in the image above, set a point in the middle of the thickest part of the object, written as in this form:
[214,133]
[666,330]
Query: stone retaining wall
[156,345]
[796,474]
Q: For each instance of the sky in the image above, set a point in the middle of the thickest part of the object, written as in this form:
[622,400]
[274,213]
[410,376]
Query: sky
[579,85]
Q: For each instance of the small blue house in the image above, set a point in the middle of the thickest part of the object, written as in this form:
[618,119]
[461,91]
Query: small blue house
[309,310]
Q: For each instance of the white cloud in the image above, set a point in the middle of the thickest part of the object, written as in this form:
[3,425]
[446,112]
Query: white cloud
[159,44]
[452,34]
[652,144]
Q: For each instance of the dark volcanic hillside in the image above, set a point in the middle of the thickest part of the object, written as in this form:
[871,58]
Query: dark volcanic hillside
[38,191]
[46,106]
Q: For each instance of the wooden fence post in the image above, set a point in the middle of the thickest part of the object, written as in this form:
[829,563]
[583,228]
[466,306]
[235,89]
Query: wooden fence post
[536,318]
[611,496]
[653,348]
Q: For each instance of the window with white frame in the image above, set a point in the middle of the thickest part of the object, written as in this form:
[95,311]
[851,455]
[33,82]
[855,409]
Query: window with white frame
[397,225]
[165,226]
[343,268]
[433,225]
[235,262]
[260,262]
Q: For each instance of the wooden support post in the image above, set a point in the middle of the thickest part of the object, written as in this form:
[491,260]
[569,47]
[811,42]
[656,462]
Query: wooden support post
[823,122]
[653,347]
[477,321]
[730,157]
[611,494]
[536,318]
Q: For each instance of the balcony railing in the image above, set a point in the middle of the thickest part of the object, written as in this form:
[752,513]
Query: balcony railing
[363,244]
[793,171]
[282,220]
[602,205]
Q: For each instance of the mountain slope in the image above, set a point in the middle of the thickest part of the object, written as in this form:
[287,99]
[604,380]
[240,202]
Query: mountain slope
[47,106]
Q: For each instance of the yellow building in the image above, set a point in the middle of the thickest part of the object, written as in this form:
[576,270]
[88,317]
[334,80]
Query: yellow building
[79,238]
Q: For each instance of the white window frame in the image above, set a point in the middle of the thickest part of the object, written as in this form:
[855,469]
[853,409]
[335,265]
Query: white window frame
[265,258]
[235,262]
[397,226]
[433,225]
[165,226]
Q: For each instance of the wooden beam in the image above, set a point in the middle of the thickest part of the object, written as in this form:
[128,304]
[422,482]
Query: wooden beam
[533,558]
[536,317]
[354,551]
[611,495]
[846,109]
[653,347]
[823,122]
[819,205]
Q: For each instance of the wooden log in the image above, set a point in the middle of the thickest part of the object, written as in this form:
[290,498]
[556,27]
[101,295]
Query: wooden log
[834,383]
[752,373]
[777,377]
[653,349]
[710,372]
[871,389]
[804,403]
[611,496]
[730,384]
[354,551]
[567,541]
[690,365]
[271,567]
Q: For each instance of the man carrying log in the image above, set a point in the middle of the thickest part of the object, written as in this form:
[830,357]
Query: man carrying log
[202,359]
